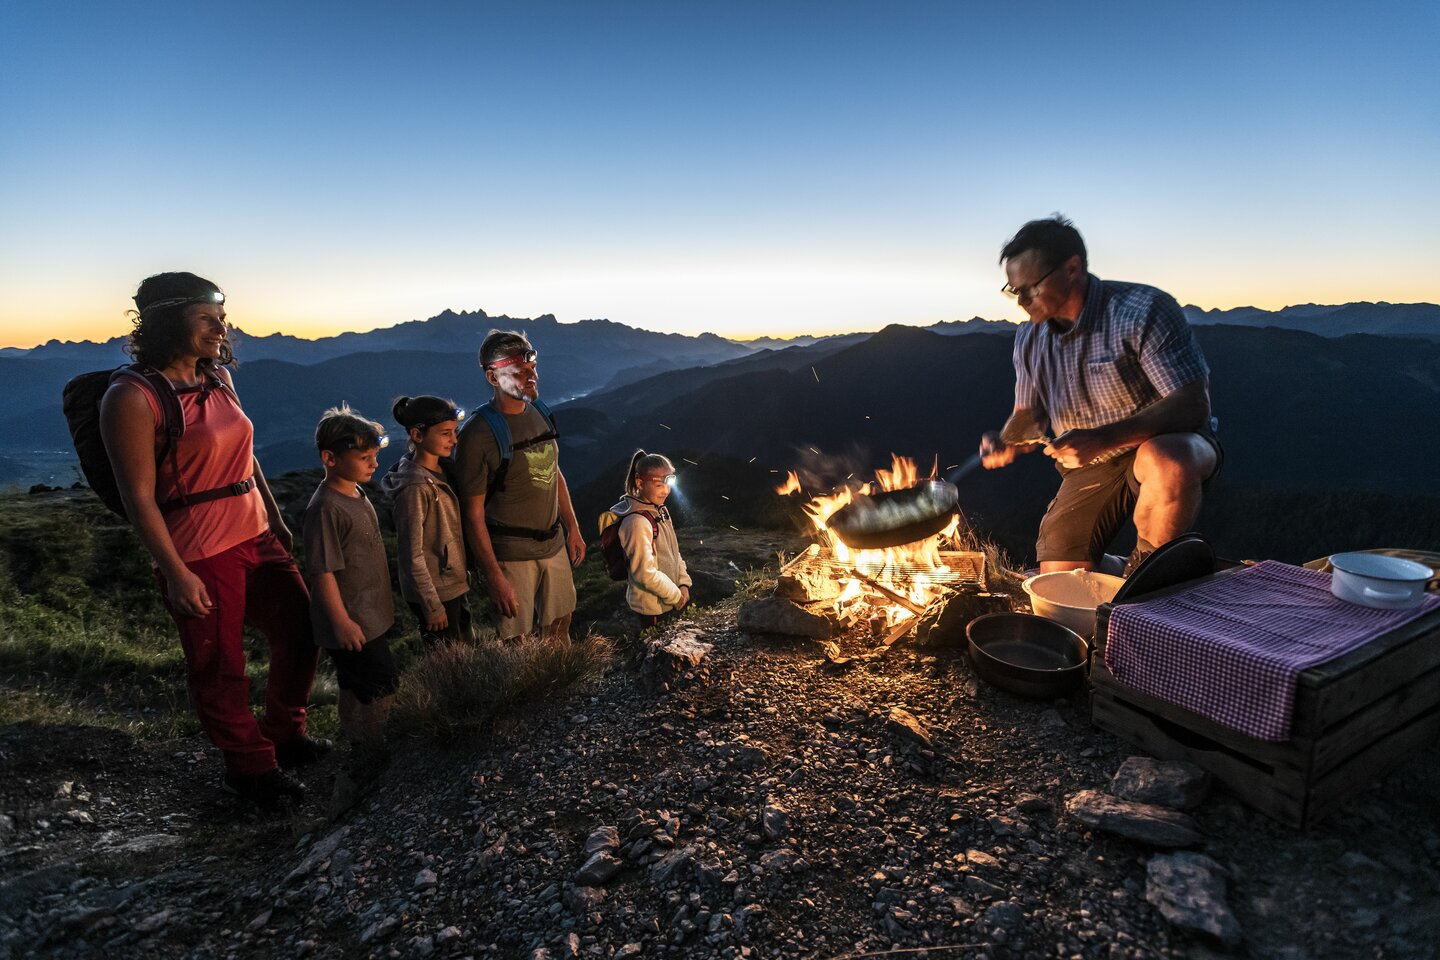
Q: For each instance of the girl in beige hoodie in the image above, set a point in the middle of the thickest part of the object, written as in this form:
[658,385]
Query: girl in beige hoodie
[429,540]
[658,583]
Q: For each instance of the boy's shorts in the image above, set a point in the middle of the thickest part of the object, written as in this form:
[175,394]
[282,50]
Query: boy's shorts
[544,592]
[368,674]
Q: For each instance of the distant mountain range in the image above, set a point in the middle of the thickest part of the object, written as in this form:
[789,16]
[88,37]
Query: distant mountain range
[1297,408]
[1383,319]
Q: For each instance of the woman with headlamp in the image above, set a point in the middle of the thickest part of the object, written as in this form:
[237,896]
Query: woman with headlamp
[220,547]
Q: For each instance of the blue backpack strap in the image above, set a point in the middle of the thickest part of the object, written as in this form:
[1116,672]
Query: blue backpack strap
[503,441]
[544,409]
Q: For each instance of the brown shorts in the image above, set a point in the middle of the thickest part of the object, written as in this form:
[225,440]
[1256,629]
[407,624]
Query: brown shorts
[1092,505]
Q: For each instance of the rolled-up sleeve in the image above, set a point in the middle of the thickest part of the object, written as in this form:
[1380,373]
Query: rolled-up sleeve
[1169,354]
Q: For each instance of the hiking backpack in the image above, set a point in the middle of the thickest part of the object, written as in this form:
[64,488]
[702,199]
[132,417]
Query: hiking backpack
[612,551]
[81,403]
[505,442]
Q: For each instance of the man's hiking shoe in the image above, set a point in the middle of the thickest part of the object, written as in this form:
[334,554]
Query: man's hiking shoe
[302,751]
[270,790]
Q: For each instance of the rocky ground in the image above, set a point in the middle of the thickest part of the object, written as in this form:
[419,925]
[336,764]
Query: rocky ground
[774,804]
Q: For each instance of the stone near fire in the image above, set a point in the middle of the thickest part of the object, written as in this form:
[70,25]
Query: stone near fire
[1147,823]
[805,584]
[669,658]
[1189,891]
[946,629]
[904,724]
[772,615]
[1170,783]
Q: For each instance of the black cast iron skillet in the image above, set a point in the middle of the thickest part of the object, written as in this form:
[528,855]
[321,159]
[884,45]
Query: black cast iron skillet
[894,517]
[1027,655]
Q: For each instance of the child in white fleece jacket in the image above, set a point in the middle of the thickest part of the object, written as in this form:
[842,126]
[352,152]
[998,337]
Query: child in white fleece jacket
[658,583]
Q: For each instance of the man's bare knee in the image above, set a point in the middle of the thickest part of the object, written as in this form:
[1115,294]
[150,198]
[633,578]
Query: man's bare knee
[1174,461]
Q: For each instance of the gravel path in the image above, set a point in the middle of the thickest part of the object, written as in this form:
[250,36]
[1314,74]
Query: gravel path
[776,806]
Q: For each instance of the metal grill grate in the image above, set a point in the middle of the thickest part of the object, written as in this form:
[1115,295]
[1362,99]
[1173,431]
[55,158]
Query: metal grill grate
[966,568]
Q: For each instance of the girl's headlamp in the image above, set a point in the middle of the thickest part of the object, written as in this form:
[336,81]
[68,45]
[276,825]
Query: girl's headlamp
[454,413]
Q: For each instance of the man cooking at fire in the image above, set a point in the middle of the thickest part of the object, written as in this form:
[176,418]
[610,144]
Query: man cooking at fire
[1111,371]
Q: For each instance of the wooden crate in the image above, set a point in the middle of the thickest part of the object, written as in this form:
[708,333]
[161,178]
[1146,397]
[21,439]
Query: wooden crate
[1355,718]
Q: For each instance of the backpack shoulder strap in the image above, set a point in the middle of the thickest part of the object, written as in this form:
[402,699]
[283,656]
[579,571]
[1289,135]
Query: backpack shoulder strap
[503,442]
[548,414]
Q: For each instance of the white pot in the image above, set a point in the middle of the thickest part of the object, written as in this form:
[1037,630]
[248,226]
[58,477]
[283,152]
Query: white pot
[1375,580]
[1071,596]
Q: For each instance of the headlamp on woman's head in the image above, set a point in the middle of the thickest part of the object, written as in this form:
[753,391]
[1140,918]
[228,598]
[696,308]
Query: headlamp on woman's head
[214,296]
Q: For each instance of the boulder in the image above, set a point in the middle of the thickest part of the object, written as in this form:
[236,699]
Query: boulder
[776,616]
[670,657]
[604,839]
[805,584]
[1143,822]
[1189,891]
[599,868]
[1169,783]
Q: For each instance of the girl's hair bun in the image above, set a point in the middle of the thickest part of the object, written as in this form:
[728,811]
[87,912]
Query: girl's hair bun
[398,411]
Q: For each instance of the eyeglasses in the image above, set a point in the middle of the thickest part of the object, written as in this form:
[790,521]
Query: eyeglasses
[214,297]
[1018,292]
[525,356]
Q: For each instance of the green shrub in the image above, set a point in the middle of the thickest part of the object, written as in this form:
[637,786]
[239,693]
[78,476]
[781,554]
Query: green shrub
[463,688]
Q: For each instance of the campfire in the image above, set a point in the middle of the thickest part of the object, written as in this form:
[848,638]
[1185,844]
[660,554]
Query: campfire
[891,589]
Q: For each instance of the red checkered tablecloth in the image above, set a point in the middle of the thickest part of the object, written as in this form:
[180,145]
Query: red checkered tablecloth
[1232,647]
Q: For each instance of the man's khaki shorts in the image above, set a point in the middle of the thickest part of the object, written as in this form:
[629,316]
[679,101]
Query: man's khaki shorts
[544,592]
[1092,505]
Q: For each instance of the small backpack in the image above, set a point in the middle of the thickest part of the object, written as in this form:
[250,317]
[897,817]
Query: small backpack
[506,443]
[81,403]
[612,551]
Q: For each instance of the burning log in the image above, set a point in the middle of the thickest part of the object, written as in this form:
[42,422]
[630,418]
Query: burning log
[889,594]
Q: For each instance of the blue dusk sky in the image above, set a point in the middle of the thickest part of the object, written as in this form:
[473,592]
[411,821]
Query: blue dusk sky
[743,168]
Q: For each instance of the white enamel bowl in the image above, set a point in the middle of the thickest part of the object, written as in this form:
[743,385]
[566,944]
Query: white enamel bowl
[1375,580]
[1070,597]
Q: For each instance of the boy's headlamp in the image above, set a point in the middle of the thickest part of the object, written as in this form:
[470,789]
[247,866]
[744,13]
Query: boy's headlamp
[358,443]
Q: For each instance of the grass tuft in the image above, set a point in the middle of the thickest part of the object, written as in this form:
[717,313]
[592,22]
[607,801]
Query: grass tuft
[462,689]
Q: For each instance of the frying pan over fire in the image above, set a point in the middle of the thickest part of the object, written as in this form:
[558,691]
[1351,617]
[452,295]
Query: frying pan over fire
[895,517]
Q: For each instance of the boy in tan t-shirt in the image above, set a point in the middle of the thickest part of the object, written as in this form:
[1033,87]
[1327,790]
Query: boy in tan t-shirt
[351,605]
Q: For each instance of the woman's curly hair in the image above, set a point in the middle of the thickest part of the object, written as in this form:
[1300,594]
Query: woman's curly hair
[161,334]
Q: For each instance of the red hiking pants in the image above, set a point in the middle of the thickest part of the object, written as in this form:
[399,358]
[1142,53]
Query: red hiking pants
[254,582]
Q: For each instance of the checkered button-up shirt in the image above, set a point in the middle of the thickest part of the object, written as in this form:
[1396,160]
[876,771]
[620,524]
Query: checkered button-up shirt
[1130,347]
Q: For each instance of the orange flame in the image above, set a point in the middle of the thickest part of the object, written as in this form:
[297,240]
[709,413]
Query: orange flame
[791,485]
[913,570]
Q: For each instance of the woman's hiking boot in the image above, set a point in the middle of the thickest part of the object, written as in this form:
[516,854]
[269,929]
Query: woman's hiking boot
[302,751]
[271,790]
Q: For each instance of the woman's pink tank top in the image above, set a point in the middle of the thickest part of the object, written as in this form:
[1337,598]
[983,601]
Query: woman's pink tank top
[217,449]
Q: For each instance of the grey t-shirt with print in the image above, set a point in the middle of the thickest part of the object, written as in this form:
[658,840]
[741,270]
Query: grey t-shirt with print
[342,536]
[531,495]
